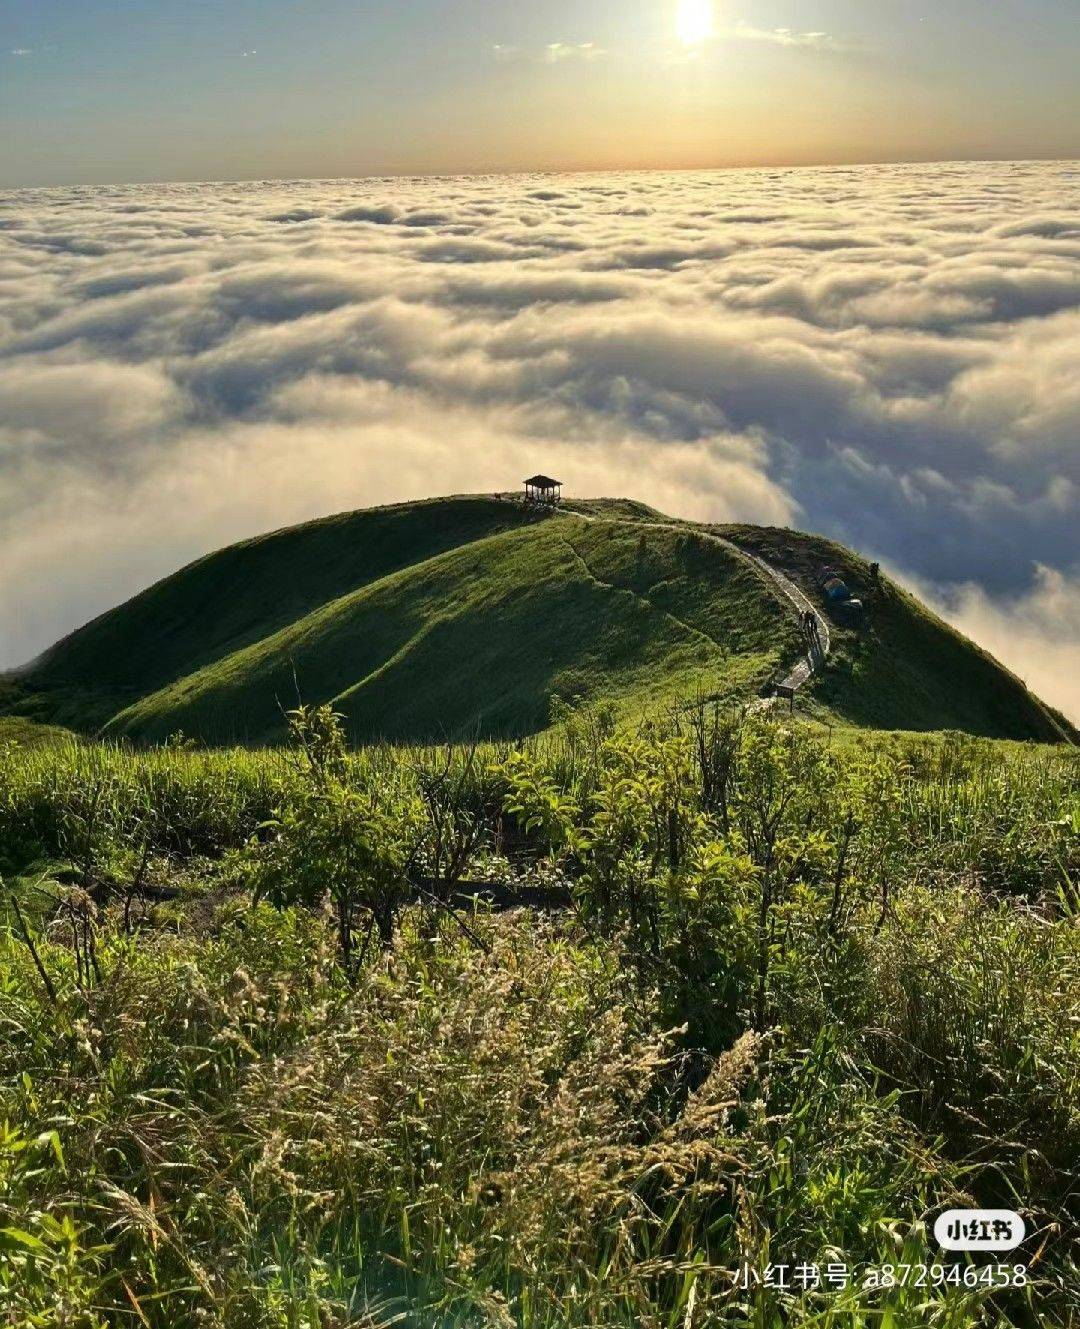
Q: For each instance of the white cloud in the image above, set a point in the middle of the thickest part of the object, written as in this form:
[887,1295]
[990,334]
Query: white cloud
[553,53]
[818,41]
[884,354]
[557,52]
[1038,634]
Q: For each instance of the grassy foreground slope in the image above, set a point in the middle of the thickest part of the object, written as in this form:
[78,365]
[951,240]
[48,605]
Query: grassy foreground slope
[464,616]
[809,997]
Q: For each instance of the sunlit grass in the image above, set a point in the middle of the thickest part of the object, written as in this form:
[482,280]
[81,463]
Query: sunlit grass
[736,1046]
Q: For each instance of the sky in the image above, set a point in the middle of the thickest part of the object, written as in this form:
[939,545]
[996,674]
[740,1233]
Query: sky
[628,243]
[887,355]
[96,91]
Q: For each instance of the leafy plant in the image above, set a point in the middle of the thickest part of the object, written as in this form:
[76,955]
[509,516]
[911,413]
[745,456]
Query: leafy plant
[353,844]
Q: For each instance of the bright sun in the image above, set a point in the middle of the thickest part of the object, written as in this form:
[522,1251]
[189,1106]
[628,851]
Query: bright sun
[694,21]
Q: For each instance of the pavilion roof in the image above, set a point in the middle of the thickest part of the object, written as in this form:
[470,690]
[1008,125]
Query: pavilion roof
[543,482]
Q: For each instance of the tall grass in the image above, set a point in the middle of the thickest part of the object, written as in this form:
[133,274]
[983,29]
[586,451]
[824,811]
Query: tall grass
[807,994]
[474,1136]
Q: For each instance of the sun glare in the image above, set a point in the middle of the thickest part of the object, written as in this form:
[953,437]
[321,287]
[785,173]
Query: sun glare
[694,21]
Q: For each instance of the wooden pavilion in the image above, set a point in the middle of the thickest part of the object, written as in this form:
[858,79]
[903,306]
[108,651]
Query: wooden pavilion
[543,489]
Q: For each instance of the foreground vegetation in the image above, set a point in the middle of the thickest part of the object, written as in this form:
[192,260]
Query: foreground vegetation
[777,998]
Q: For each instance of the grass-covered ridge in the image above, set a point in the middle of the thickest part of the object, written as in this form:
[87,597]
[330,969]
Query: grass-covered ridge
[907,669]
[465,616]
[479,639]
[241,594]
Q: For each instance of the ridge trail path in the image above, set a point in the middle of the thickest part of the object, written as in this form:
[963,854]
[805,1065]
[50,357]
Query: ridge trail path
[819,642]
[818,645]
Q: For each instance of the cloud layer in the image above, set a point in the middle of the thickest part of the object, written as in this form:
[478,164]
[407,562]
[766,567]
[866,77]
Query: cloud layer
[885,354]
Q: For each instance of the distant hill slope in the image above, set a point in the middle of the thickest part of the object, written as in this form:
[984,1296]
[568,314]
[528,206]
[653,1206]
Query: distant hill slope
[464,616]
[242,593]
[906,668]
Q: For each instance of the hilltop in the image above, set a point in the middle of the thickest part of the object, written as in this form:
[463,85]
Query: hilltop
[464,616]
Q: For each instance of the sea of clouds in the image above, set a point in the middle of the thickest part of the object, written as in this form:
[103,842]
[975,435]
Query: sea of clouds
[889,355]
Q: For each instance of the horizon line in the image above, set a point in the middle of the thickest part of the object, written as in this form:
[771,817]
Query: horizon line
[524,172]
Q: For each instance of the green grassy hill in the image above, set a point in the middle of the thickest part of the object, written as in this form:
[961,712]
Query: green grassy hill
[904,668]
[241,594]
[465,616]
